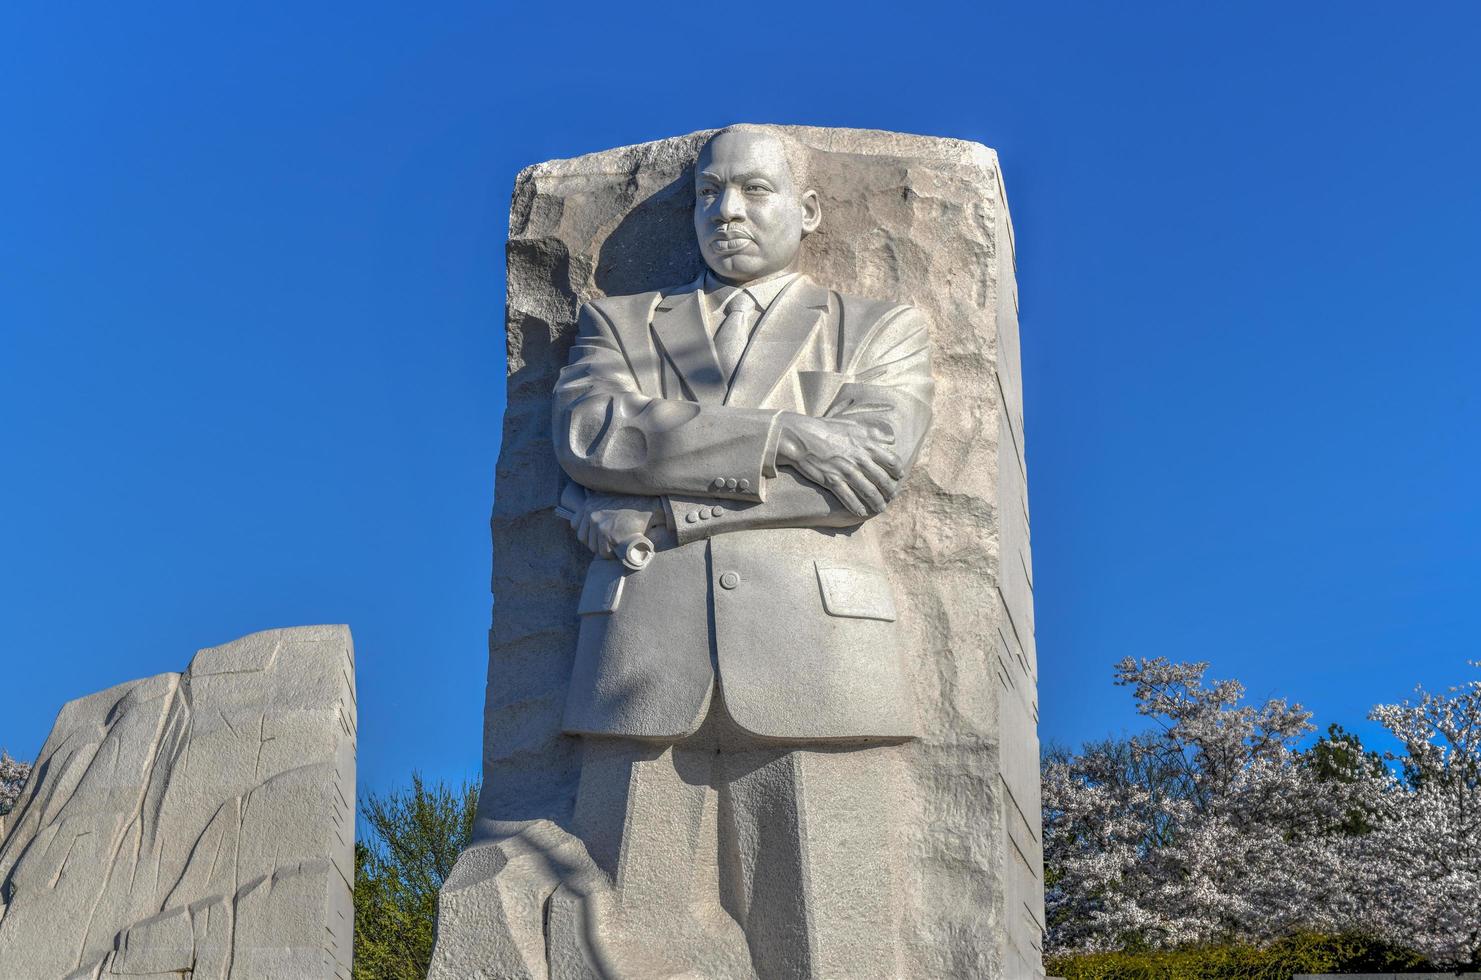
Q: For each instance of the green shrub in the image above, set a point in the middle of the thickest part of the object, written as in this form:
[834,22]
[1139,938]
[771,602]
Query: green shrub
[1282,959]
[412,837]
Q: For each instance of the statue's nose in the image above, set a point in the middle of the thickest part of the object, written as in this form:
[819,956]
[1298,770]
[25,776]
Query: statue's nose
[732,205]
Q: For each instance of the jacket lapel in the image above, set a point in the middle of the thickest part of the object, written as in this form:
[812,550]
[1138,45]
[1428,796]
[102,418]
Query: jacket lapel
[679,324]
[785,328]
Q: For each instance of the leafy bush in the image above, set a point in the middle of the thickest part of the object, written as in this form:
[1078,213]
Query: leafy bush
[1281,960]
[413,838]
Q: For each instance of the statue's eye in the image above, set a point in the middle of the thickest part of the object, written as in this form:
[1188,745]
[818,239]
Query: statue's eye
[757,188]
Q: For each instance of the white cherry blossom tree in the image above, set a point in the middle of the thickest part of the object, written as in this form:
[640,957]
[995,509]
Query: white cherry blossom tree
[1217,826]
[13,776]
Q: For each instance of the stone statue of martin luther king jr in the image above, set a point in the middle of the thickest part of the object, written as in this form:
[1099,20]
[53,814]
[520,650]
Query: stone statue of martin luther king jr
[739,685]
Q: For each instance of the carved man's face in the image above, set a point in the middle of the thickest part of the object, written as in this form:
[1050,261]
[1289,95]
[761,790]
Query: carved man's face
[749,215]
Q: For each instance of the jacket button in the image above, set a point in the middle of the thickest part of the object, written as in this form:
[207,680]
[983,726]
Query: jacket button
[716,511]
[730,484]
[704,515]
[719,483]
[745,484]
[729,580]
[690,517]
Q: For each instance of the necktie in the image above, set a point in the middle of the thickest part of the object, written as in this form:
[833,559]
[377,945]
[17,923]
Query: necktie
[735,331]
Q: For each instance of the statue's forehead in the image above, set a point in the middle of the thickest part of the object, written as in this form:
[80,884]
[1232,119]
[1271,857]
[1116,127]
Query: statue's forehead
[742,151]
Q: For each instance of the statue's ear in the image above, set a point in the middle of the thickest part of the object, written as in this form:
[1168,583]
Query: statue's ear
[812,211]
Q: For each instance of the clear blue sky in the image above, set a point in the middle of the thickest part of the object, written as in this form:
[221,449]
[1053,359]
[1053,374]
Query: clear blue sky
[251,343]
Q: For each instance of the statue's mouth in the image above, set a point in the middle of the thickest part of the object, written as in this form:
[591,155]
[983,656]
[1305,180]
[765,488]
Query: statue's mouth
[726,245]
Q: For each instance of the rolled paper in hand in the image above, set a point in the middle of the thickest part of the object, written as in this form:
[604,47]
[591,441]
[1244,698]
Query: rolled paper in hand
[634,551]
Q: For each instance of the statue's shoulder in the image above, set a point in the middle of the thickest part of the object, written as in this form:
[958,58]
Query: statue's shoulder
[862,313]
[629,306]
[868,323]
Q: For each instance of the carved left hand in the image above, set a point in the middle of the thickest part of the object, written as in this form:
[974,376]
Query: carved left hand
[850,457]
[607,519]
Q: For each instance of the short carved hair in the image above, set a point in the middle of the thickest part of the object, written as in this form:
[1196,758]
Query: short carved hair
[799,157]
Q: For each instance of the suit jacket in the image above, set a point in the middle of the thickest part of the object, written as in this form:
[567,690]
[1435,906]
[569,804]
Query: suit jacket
[764,581]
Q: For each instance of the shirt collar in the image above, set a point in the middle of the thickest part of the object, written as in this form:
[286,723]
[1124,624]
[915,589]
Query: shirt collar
[764,293]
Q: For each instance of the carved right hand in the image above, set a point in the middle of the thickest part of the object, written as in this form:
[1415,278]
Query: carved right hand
[848,458]
[607,520]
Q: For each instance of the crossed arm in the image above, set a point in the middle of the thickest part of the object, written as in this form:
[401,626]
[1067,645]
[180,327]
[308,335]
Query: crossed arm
[709,469]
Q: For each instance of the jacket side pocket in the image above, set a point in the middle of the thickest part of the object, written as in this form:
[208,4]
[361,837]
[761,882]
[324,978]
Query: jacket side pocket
[855,591]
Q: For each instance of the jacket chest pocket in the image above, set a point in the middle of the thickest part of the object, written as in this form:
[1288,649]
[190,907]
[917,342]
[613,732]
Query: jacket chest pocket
[855,591]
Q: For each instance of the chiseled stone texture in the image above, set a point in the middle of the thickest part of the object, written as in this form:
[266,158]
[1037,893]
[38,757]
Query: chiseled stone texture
[907,218]
[196,825]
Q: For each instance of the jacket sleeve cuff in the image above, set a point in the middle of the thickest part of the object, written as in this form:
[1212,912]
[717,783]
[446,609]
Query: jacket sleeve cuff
[740,473]
[697,518]
[768,455]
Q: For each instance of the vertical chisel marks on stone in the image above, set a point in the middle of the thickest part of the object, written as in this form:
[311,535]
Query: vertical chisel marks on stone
[62,867]
[227,722]
[136,811]
[262,739]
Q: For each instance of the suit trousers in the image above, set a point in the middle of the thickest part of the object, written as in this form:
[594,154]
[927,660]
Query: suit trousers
[732,856]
